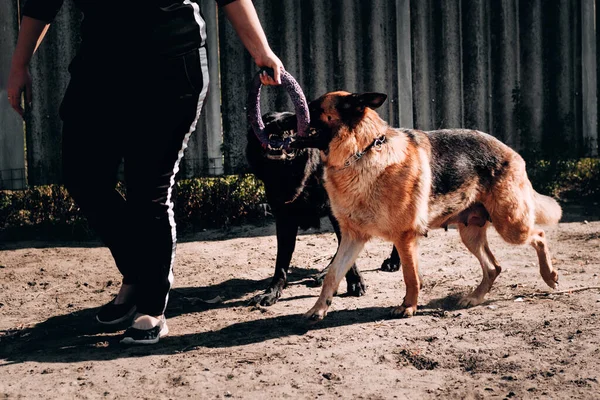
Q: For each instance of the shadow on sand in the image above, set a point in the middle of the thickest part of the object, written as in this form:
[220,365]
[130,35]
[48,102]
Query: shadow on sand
[72,338]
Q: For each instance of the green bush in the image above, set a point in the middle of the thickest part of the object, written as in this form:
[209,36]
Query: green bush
[567,179]
[41,211]
[217,202]
[48,212]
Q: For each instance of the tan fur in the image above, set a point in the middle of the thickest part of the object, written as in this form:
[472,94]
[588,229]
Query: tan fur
[387,194]
[547,210]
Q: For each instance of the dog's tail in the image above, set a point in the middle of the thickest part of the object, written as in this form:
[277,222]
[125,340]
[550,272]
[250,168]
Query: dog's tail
[547,210]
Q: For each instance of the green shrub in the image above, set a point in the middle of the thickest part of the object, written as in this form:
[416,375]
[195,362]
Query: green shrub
[217,202]
[48,212]
[567,179]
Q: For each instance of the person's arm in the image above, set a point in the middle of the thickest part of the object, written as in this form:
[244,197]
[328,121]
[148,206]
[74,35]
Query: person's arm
[37,15]
[19,81]
[243,18]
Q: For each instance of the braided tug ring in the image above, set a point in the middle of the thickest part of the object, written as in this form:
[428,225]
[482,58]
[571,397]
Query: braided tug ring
[255,116]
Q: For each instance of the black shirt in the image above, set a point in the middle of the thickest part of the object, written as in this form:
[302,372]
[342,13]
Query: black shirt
[133,27]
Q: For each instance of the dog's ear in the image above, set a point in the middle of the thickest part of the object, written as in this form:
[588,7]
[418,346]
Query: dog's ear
[357,102]
[372,99]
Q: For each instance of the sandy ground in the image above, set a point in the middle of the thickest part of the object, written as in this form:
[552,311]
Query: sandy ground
[518,344]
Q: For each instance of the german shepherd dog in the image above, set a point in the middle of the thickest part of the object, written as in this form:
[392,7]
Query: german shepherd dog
[398,183]
[297,198]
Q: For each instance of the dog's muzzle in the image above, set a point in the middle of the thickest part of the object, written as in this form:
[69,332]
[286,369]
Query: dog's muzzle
[296,144]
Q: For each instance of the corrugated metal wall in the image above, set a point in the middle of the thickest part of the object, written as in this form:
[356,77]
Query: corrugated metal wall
[325,45]
[512,68]
[523,70]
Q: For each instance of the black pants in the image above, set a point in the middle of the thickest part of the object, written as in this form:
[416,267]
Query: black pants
[142,112]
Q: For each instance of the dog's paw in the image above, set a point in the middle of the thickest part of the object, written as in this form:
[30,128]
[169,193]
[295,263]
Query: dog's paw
[403,311]
[390,266]
[357,289]
[316,314]
[265,299]
[470,300]
[551,280]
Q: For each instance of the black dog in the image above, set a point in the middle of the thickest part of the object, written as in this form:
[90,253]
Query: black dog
[297,198]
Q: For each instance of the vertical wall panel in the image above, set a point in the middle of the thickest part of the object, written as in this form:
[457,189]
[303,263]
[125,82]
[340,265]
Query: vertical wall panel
[317,49]
[404,64]
[12,150]
[347,45]
[449,66]
[594,149]
[576,140]
[214,131]
[235,82]
[203,155]
[589,88]
[377,63]
[389,58]
[423,66]
[195,160]
[291,46]
[50,79]
[504,58]
[271,15]
[530,107]
[476,66]
[558,76]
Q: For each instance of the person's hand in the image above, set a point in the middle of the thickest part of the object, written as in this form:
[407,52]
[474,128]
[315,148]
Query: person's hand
[19,82]
[244,20]
[269,59]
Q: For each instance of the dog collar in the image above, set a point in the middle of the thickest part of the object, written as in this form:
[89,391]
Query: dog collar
[377,143]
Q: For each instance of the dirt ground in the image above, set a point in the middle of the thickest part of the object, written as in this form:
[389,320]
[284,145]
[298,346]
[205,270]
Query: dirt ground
[519,344]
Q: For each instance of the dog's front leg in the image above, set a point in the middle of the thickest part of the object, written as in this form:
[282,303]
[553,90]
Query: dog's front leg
[407,249]
[287,231]
[356,285]
[343,260]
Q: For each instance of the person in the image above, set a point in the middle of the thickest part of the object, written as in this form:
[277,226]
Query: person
[136,90]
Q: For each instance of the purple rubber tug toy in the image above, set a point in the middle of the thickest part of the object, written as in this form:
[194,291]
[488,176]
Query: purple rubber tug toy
[255,115]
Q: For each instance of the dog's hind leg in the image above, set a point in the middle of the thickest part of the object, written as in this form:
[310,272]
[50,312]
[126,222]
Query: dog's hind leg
[344,259]
[514,217]
[393,263]
[287,230]
[538,241]
[475,238]
[407,245]
[356,285]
